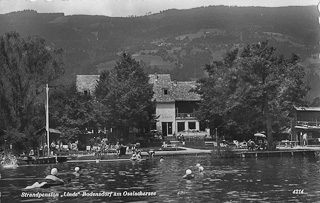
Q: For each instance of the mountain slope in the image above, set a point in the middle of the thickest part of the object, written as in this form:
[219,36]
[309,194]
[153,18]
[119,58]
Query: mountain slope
[185,40]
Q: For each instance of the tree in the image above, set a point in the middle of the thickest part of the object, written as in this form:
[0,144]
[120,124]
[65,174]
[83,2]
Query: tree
[72,112]
[126,96]
[26,65]
[253,89]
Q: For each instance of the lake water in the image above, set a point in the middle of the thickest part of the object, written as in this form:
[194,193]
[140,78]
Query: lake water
[224,180]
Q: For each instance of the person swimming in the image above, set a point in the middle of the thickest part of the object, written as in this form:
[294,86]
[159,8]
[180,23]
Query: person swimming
[161,159]
[76,171]
[139,155]
[201,169]
[188,175]
[53,176]
[134,157]
[49,180]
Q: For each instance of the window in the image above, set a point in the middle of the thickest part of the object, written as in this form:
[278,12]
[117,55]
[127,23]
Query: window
[181,126]
[165,91]
[192,125]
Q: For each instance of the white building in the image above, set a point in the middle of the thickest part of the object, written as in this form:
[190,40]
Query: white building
[176,105]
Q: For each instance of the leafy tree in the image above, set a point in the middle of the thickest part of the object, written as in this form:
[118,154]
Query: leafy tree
[126,96]
[26,65]
[72,112]
[253,90]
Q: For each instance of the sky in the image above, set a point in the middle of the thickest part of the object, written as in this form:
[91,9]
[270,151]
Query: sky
[123,8]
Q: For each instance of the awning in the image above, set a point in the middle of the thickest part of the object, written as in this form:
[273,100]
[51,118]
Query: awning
[51,130]
[259,135]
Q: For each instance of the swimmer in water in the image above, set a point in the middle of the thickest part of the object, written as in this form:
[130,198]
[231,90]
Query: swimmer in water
[48,179]
[201,169]
[161,159]
[76,171]
[198,165]
[188,175]
[53,176]
[134,157]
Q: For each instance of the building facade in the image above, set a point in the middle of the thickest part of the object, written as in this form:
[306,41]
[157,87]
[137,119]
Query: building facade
[176,104]
[306,129]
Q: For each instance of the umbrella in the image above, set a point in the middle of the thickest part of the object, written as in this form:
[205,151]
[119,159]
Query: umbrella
[259,135]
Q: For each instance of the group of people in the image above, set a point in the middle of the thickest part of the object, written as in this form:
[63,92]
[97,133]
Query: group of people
[180,138]
[136,156]
[58,146]
[260,146]
[105,147]
[53,179]
[189,175]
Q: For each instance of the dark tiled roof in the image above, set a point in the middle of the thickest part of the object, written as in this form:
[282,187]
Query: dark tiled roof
[177,91]
[181,91]
[87,82]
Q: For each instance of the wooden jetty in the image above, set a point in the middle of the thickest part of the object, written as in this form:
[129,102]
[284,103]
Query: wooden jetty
[45,160]
[279,153]
[102,160]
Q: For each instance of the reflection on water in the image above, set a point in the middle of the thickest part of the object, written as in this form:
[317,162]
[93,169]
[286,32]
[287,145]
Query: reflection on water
[223,180]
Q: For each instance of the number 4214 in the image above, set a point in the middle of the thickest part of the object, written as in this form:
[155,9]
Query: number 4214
[298,191]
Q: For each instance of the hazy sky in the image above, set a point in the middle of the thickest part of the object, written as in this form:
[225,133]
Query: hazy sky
[132,7]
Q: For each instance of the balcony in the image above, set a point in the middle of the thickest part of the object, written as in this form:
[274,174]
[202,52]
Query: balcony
[308,125]
[186,115]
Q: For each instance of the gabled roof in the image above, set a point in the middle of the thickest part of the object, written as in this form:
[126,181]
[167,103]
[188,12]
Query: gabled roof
[181,91]
[177,91]
[87,82]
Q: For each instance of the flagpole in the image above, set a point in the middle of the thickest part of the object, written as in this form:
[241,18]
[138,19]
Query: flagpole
[47,118]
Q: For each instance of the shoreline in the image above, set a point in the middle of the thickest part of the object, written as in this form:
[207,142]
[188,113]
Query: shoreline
[301,150]
[224,153]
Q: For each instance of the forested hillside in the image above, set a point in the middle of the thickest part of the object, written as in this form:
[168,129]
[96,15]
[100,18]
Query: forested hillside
[179,42]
